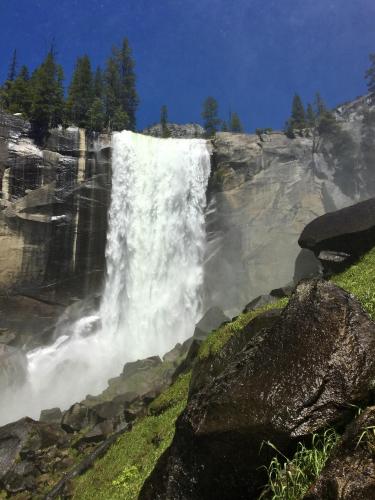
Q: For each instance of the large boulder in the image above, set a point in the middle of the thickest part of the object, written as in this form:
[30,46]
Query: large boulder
[350,471]
[20,443]
[289,381]
[338,238]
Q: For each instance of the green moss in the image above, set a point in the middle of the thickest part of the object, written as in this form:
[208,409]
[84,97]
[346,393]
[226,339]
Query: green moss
[359,280]
[171,396]
[123,470]
[217,339]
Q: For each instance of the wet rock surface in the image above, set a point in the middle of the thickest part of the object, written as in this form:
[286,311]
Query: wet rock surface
[339,238]
[350,471]
[287,382]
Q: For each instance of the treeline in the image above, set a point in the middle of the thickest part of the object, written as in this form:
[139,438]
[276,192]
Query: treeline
[96,100]
[211,121]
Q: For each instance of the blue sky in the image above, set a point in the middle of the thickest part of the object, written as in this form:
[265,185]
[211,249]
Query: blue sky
[251,55]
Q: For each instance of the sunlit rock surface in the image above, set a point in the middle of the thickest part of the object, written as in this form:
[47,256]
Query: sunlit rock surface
[265,189]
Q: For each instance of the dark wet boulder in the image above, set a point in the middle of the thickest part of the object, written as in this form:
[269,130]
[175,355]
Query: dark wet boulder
[51,416]
[79,417]
[339,238]
[287,382]
[349,473]
[20,443]
[207,368]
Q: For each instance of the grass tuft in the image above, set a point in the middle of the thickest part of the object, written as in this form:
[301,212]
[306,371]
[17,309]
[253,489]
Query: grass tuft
[359,279]
[290,479]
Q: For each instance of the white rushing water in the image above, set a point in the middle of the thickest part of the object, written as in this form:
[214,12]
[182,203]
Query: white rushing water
[152,297]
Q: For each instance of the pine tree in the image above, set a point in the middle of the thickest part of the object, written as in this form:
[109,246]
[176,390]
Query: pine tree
[164,122]
[120,119]
[96,116]
[298,113]
[19,94]
[310,116]
[81,93]
[370,75]
[98,83]
[210,116]
[224,126]
[112,92]
[128,95]
[13,67]
[235,123]
[319,104]
[47,103]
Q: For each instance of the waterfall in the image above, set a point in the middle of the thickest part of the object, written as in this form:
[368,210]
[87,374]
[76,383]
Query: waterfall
[152,297]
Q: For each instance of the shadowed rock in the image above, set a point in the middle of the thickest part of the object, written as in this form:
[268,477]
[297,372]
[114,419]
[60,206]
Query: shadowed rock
[19,443]
[287,382]
[349,473]
[339,238]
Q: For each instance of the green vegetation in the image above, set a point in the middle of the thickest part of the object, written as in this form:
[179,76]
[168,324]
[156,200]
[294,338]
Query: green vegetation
[289,479]
[95,101]
[370,75]
[164,121]
[218,338]
[210,116]
[297,120]
[359,280]
[123,470]
[80,95]
[235,123]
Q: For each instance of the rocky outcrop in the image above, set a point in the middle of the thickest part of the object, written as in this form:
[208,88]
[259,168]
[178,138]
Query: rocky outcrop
[188,131]
[266,188]
[288,381]
[339,238]
[54,210]
[350,471]
[21,446]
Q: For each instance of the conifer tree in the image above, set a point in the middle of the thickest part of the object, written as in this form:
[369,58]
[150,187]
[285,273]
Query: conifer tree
[96,116]
[112,97]
[127,92]
[224,126]
[370,75]
[13,67]
[297,121]
[19,94]
[235,123]
[47,103]
[164,121]
[210,116]
[310,116]
[81,93]
[298,113]
[98,83]
[319,104]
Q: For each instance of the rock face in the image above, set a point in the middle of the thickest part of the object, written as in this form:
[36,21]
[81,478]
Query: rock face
[266,188]
[20,443]
[338,238]
[188,131]
[54,210]
[289,381]
[350,471]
